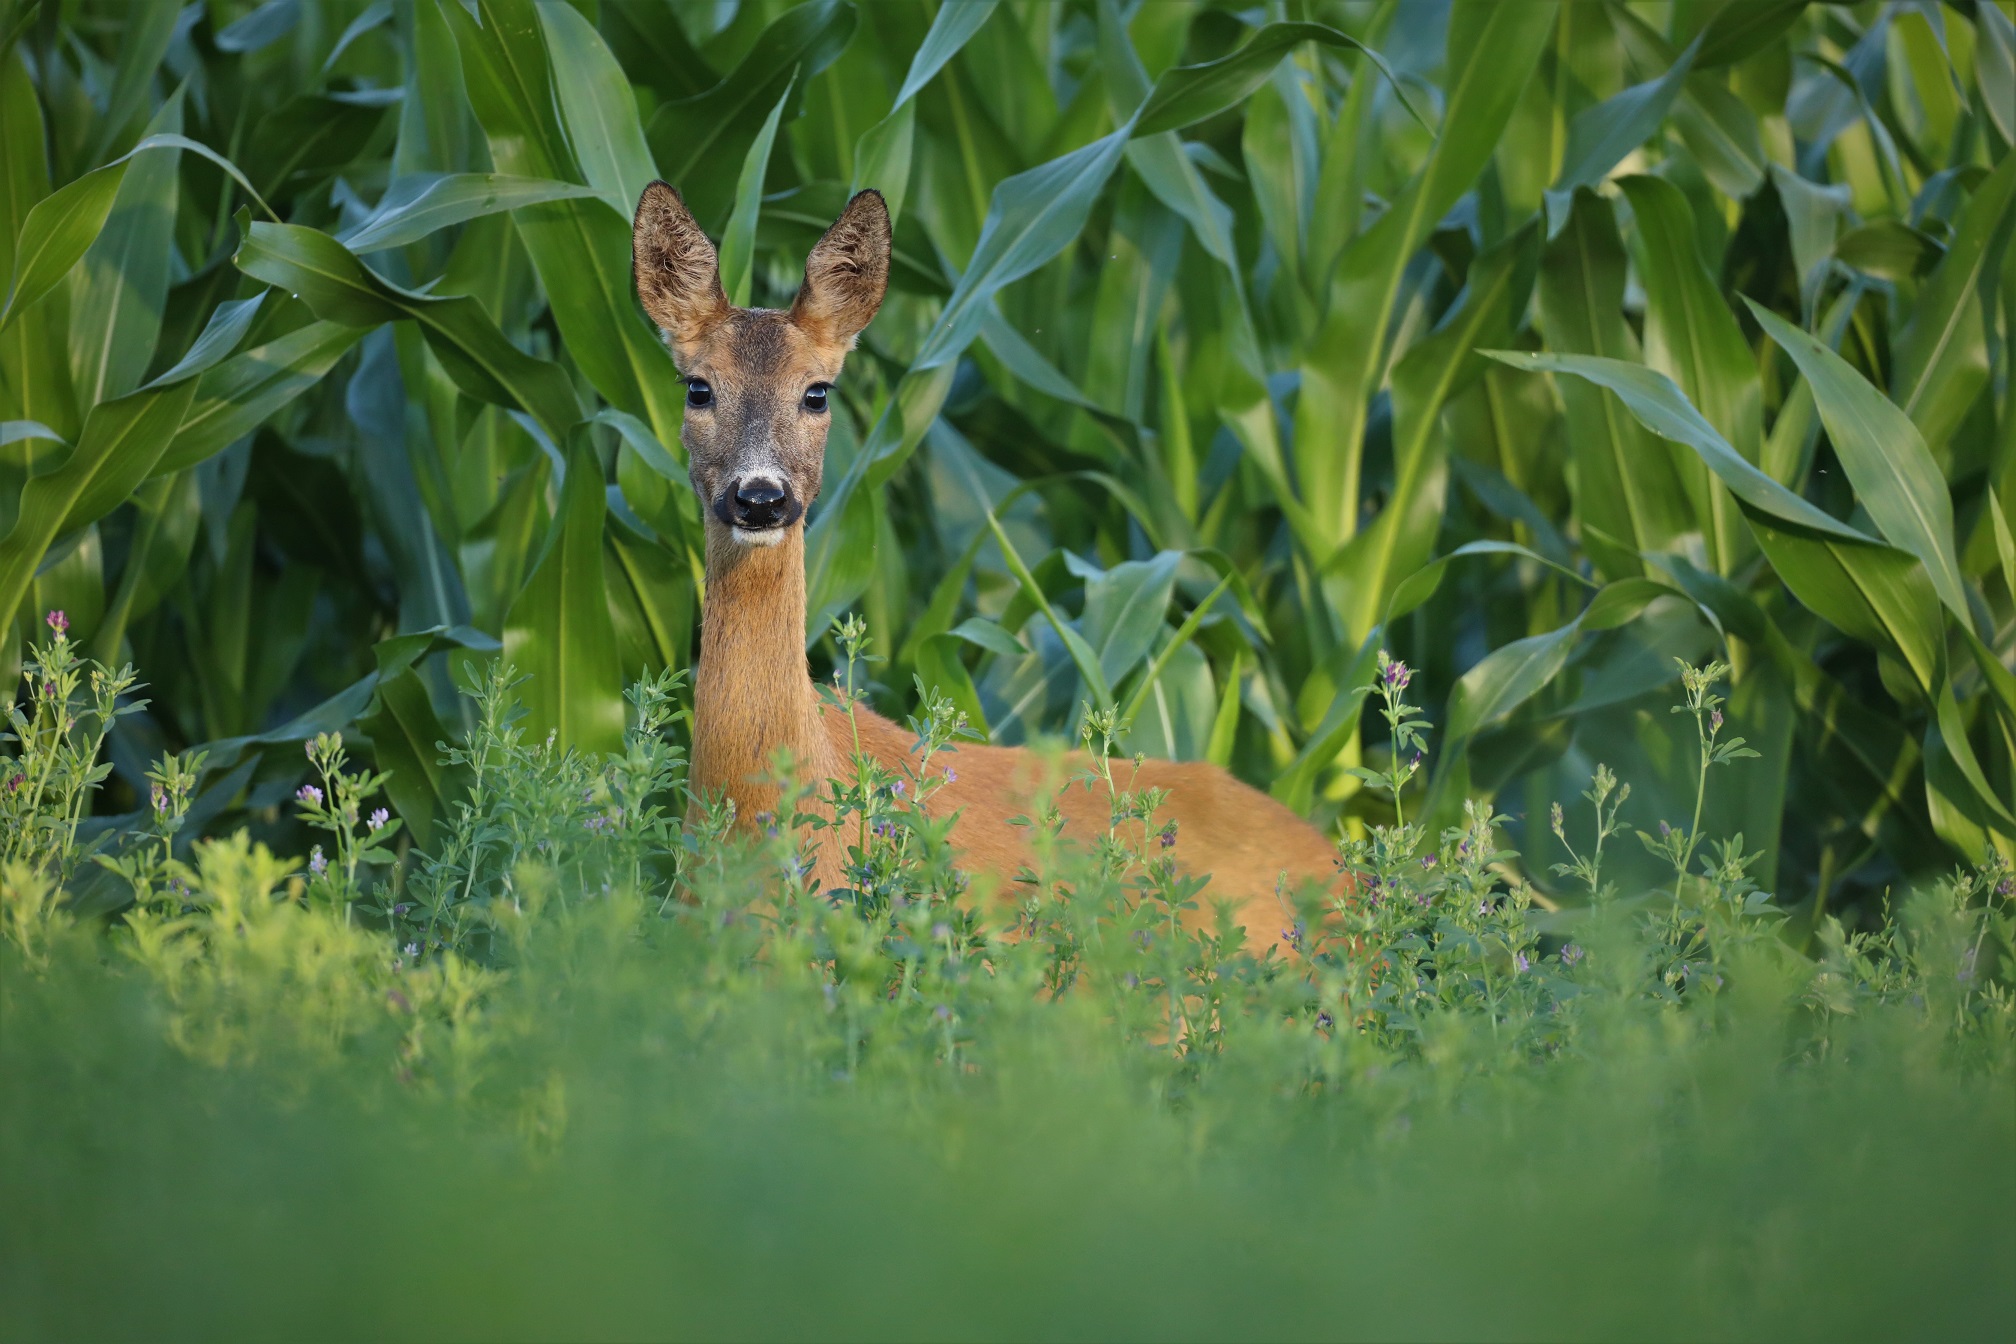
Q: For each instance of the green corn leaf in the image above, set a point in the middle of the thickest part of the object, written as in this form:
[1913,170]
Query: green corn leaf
[1942,355]
[1342,360]
[407,739]
[580,248]
[121,285]
[1418,587]
[1508,677]
[418,206]
[1742,30]
[651,601]
[1995,67]
[1600,136]
[1663,409]
[738,240]
[558,630]
[243,392]
[1721,132]
[951,29]
[1627,482]
[1082,655]
[700,142]
[340,288]
[1189,94]
[1879,447]
[1125,608]
[1032,217]
[1225,726]
[1399,541]
[597,110]
[1889,249]
[23,431]
[1692,338]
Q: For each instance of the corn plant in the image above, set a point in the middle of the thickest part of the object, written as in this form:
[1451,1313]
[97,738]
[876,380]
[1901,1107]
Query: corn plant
[1536,345]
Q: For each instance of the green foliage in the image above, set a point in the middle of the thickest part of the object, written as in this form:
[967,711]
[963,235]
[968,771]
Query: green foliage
[1234,358]
[1237,268]
[580,982]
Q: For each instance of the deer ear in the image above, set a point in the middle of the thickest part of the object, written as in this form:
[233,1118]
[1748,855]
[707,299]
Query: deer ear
[847,274]
[678,277]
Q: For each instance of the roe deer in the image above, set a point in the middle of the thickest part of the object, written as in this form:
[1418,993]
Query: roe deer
[757,383]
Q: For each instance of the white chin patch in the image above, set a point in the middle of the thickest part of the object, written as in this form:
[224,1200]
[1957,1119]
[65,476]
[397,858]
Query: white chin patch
[769,536]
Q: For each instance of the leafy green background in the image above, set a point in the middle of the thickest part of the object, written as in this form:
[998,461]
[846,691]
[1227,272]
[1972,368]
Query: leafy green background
[1227,344]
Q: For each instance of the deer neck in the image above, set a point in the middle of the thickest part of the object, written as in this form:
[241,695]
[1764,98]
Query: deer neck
[753,693]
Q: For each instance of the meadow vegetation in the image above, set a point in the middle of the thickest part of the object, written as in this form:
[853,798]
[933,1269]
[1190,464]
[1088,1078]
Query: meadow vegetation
[1565,450]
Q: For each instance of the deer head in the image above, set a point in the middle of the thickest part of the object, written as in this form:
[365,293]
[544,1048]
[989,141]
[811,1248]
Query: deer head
[757,379]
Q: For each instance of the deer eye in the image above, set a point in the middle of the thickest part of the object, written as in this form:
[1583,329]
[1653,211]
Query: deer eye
[815,397]
[698,393]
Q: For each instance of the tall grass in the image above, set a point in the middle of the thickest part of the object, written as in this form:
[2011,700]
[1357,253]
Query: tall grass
[603,1075]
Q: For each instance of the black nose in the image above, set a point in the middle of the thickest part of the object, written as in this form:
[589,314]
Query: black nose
[760,504]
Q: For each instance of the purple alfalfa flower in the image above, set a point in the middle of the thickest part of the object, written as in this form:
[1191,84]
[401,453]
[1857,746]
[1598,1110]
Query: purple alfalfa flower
[1323,1020]
[1519,960]
[1167,837]
[14,784]
[1293,936]
[1571,954]
[951,775]
[379,818]
[1664,830]
[943,1013]
[58,622]
[897,788]
[309,794]
[317,864]
[1714,720]
[1396,675]
[941,930]
[160,798]
[1428,863]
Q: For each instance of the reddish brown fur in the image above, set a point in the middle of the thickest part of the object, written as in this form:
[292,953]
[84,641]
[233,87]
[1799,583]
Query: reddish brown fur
[754,695]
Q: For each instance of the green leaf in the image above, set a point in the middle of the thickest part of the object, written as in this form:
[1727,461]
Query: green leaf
[1340,364]
[406,739]
[558,631]
[1739,31]
[951,29]
[1692,338]
[1721,132]
[738,240]
[597,110]
[700,142]
[339,288]
[121,286]
[1364,572]
[246,390]
[1626,482]
[1942,355]
[1033,216]
[1601,135]
[939,669]
[1889,249]
[1661,408]
[1189,94]
[1879,447]
[1995,67]
[1082,656]
[417,206]
[1507,677]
